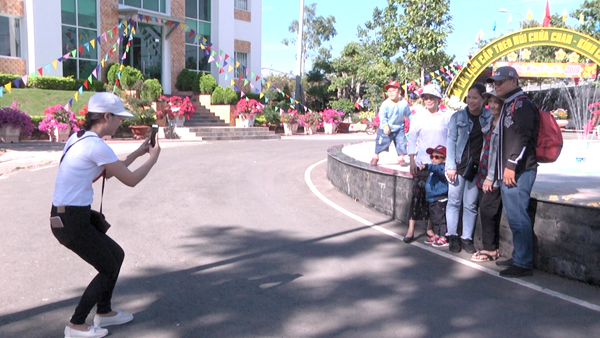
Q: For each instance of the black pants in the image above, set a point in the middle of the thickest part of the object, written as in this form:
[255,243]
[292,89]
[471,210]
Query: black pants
[437,214]
[96,248]
[490,211]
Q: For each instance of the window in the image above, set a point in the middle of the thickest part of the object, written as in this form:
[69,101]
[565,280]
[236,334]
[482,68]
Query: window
[10,37]
[242,58]
[197,13]
[241,4]
[79,26]
[151,5]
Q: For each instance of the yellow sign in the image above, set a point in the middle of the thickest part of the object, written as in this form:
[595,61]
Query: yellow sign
[539,36]
[558,70]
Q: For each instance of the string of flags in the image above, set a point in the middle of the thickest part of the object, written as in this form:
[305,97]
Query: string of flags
[222,60]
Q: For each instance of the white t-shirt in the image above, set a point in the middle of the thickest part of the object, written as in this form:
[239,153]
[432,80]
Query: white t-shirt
[427,130]
[81,165]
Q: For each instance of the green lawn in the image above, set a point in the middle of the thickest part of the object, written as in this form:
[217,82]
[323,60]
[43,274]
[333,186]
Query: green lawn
[35,101]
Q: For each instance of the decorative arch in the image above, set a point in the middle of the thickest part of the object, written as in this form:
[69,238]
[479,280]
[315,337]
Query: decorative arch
[538,36]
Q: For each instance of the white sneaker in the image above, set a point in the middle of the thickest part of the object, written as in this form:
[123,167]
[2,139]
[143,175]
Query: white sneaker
[92,332]
[118,319]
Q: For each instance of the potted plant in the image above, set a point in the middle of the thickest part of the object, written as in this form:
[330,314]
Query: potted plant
[246,111]
[141,121]
[13,122]
[560,114]
[289,120]
[311,121]
[177,109]
[331,119]
[58,123]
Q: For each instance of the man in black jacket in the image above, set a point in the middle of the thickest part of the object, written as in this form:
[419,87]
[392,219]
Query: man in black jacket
[516,166]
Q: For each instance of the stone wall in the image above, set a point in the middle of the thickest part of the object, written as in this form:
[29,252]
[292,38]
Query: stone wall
[177,42]
[109,18]
[11,7]
[567,236]
[10,65]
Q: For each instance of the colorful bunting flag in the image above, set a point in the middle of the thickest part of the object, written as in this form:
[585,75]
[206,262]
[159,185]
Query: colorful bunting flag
[24,78]
[54,63]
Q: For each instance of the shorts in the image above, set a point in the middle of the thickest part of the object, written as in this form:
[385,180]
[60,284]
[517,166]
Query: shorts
[383,141]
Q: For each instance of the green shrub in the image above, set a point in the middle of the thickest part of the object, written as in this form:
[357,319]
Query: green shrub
[6,78]
[344,105]
[53,82]
[260,120]
[218,96]
[207,84]
[151,90]
[185,80]
[129,77]
[112,73]
[271,116]
[196,83]
[230,96]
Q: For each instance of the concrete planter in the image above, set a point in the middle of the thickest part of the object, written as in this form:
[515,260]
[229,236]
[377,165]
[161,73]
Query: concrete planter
[9,134]
[224,111]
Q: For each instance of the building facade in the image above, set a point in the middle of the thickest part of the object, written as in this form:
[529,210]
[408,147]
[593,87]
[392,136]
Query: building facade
[34,33]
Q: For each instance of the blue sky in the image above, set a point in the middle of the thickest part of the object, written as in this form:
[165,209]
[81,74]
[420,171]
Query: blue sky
[467,20]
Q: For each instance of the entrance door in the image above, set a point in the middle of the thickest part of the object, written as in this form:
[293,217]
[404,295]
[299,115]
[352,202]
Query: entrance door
[145,51]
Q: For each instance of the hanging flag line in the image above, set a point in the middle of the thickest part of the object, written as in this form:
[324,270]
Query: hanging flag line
[93,42]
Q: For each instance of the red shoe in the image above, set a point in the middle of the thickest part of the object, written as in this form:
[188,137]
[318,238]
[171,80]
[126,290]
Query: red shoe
[403,163]
[374,161]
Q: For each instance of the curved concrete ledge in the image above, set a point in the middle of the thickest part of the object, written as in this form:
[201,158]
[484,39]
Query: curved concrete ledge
[567,228]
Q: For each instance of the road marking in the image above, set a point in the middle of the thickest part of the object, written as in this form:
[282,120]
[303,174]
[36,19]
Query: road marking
[473,265]
[42,168]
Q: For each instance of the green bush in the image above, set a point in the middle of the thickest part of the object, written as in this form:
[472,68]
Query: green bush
[207,84]
[196,83]
[53,82]
[230,96]
[271,116]
[218,96]
[112,73]
[344,105]
[129,77]
[185,80]
[151,90]
[6,78]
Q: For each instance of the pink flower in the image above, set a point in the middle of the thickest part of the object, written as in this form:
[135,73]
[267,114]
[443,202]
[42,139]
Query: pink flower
[59,118]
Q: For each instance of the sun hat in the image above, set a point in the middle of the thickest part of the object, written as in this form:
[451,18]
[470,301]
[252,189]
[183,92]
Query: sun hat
[440,149]
[105,102]
[503,73]
[491,93]
[433,90]
[392,84]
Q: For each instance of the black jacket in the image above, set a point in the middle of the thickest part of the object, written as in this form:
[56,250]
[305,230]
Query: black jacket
[518,135]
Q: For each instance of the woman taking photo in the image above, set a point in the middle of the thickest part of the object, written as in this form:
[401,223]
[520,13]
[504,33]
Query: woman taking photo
[85,158]
[464,144]
[490,199]
[428,129]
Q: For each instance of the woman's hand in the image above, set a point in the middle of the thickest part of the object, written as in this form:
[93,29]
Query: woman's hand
[451,174]
[386,129]
[487,186]
[154,151]
[143,148]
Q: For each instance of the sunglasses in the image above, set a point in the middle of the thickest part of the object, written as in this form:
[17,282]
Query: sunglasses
[437,157]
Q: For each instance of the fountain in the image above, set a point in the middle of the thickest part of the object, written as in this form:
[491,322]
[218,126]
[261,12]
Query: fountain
[582,102]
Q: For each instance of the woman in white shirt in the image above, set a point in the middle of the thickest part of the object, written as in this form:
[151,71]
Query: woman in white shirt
[85,158]
[428,129]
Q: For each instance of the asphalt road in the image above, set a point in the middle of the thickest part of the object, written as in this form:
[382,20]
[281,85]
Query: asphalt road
[226,239]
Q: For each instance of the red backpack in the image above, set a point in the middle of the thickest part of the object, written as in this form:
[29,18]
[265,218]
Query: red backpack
[549,138]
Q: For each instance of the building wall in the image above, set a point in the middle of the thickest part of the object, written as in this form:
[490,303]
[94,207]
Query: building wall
[177,42]
[108,16]
[11,65]
[11,7]
[44,35]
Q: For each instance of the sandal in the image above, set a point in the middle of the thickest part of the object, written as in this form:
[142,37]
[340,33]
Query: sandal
[481,257]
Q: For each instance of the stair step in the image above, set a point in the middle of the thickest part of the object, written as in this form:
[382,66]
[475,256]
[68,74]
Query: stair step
[233,134]
[255,137]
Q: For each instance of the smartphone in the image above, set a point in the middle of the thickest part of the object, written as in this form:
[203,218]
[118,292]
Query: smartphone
[153,135]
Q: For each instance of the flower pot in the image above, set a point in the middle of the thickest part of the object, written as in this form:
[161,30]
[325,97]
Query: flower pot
[162,122]
[139,132]
[245,120]
[290,128]
[343,127]
[562,123]
[9,134]
[310,129]
[329,128]
[176,121]
[59,135]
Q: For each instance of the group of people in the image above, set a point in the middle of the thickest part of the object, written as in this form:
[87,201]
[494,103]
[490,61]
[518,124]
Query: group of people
[477,161]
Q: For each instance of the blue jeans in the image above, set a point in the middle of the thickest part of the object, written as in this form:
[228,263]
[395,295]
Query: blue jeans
[515,201]
[465,193]
[383,141]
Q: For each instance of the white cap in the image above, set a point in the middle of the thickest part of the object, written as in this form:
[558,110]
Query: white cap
[432,89]
[105,102]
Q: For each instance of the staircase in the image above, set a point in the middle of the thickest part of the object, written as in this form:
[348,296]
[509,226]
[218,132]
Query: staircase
[206,126]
